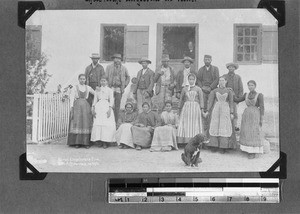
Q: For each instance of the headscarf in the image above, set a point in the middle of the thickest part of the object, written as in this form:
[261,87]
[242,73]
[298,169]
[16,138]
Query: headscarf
[132,106]
[190,86]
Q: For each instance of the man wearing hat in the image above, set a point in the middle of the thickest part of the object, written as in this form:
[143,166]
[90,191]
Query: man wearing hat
[93,74]
[145,82]
[182,76]
[164,78]
[118,79]
[207,80]
[234,81]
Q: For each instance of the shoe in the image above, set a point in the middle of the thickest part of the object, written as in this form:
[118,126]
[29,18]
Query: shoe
[138,148]
[237,129]
[87,147]
[104,146]
[77,146]
[99,144]
[121,147]
[251,156]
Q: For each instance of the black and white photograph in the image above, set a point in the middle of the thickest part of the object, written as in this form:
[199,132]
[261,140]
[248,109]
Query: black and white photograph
[152,91]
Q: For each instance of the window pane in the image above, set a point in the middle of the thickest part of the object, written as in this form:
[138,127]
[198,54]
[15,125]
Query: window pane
[240,48]
[113,41]
[247,48]
[247,40]
[240,31]
[254,40]
[176,42]
[247,57]
[254,32]
[254,57]
[240,57]
[253,49]
[247,31]
[240,40]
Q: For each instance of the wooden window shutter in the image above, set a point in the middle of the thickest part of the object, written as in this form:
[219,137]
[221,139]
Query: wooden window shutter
[33,41]
[137,42]
[270,44]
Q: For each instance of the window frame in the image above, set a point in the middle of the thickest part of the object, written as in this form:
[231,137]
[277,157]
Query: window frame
[102,41]
[259,43]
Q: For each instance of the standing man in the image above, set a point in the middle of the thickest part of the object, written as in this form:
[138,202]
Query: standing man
[234,81]
[207,80]
[93,74]
[145,82]
[182,76]
[164,78]
[118,79]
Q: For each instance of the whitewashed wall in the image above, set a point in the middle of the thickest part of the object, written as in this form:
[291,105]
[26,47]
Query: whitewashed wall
[69,37]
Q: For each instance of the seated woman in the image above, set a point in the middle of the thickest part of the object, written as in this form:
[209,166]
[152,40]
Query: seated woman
[251,140]
[220,104]
[143,128]
[104,127]
[164,138]
[125,121]
[81,116]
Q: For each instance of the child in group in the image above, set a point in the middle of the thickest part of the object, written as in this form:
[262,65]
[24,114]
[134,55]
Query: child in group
[251,138]
[104,127]
[191,106]
[143,128]
[125,121]
[164,138]
[80,115]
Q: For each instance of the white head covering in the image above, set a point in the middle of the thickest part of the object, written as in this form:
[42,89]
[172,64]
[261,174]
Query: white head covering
[188,83]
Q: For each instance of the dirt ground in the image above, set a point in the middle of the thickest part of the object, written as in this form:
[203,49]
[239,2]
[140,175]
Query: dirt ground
[58,157]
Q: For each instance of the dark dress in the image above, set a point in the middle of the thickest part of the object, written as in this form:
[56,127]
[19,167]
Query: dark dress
[81,123]
[251,139]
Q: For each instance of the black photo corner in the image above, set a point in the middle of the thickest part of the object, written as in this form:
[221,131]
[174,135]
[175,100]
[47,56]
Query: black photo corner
[27,8]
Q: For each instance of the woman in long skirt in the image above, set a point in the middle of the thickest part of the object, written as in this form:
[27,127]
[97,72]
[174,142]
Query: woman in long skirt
[80,116]
[143,128]
[164,138]
[104,127]
[251,140]
[220,104]
[125,122]
[191,106]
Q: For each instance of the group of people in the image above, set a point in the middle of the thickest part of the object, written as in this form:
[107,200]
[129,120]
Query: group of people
[207,105]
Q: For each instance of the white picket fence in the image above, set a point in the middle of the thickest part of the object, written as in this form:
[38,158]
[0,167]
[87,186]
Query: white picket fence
[50,117]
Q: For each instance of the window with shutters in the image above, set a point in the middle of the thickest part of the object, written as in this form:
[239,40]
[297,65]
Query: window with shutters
[130,41]
[255,44]
[33,44]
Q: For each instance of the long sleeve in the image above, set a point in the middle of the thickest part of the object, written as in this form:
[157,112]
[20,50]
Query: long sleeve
[230,100]
[239,99]
[95,99]
[201,99]
[181,101]
[199,76]
[151,85]
[102,73]
[108,73]
[90,90]
[111,98]
[241,89]
[120,119]
[72,96]
[211,99]
[261,104]
[134,91]
[156,75]
[157,120]
[86,72]
[127,77]
[216,79]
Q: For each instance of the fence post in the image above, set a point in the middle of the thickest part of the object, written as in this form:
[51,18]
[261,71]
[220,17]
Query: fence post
[35,119]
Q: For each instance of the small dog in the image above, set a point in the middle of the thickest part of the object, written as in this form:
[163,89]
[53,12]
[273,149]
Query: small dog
[191,155]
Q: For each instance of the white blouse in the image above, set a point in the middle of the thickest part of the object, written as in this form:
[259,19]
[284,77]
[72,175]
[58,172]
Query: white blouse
[104,93]
[74,93]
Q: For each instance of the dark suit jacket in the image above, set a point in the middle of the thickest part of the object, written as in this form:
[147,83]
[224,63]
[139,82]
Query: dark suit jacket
[238,85]
[215,73]
[100,73]
[149,79]
[157,80]
[179,79]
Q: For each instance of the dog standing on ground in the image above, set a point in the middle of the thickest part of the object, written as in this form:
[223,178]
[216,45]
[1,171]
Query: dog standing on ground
[191,155]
